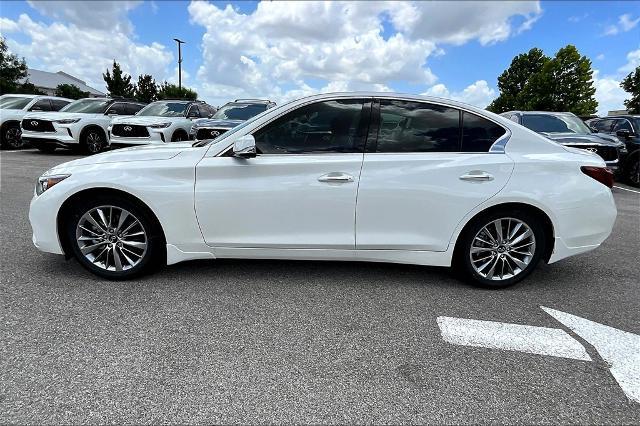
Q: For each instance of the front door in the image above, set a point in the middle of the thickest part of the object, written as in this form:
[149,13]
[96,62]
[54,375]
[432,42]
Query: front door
[298,192]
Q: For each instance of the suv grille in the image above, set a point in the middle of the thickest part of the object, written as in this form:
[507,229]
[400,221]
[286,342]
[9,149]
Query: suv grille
[37,125]
[130,131]
[209,133]
[608,153]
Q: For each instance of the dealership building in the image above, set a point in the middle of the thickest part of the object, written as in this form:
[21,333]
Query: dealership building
[48,81]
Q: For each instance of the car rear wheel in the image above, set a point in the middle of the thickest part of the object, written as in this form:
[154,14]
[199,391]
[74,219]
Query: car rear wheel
[115,238]
[11,137]
[500,249]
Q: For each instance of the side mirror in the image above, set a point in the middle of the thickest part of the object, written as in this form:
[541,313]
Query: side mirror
[245,147]
[624,134]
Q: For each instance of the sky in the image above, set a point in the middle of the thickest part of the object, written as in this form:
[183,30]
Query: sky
[286,50]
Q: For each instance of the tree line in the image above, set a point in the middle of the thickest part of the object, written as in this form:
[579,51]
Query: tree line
[563,82]
[533,81]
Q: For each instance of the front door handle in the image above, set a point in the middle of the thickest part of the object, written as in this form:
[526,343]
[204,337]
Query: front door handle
[477,176]
[336,177]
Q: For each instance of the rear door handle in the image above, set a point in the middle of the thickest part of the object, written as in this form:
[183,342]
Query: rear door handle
[477,176]
[336,177]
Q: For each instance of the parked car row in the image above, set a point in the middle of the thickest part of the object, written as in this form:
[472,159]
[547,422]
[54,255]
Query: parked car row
[92,124]
[615,139]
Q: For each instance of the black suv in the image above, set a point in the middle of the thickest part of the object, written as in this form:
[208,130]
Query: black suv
[627,129]
[229,116]
[569,130]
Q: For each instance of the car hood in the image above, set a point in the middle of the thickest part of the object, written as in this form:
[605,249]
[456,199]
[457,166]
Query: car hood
[58,115]
[139,153]
[11,114]
[145,120]
[217,123]
[577,139]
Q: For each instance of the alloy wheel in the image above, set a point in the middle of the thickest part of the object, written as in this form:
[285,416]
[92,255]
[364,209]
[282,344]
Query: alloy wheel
[502,249]
[12,137]
[634,173]
[111,238]
[94,142]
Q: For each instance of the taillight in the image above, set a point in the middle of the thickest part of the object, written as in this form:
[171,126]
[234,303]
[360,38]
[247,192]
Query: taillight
[602,174]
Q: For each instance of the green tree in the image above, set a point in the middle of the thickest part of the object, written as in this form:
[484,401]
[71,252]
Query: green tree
[28,88]
[146,89]
[631,84]
[513,80]
[565,83]
[172,91]
[118,83]
[70,91]
[12,70]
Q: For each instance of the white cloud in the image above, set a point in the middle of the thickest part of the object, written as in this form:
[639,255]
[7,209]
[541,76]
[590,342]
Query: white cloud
[87,52]
[285,48]
[600,57]
[625,23]
[8,26]
[609,94]
[478,93]
[633,61]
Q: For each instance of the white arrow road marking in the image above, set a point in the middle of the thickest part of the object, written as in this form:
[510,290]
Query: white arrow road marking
[511,337]
[620,349]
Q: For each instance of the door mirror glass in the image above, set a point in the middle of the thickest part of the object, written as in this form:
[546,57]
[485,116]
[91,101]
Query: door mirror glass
[244,147]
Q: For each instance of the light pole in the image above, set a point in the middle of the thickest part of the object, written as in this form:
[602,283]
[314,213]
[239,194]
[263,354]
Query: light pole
[180,43]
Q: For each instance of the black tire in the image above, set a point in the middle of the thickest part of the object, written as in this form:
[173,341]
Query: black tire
[179,136]
[11,136]
[47,148]
[632,171]
[93,140]
[463,258]
[153,257]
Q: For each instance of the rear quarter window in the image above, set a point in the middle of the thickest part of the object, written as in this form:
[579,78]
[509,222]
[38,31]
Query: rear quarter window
[478,133]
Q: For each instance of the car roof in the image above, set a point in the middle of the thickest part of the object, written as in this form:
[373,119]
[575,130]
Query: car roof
[32,96]
[539,112]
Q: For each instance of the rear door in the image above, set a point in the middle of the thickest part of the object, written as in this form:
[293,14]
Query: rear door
[429,166]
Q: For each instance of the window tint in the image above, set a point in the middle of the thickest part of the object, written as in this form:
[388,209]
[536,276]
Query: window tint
[194,111]
[117,109]
[41,105]
[131,109]
[622,125]
[602,125]
[330,126]
[478,134]
[560,123]
[57,104]
[417,127]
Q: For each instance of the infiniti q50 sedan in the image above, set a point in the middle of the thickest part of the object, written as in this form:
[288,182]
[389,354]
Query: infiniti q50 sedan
[345,176]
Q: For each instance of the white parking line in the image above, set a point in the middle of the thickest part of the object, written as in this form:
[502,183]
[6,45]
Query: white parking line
[619,349]
[511,337]
[625,189]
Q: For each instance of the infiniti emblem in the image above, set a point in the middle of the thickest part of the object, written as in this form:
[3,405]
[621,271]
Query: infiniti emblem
[592,149]
[215,133]
[34,123]
[127,128]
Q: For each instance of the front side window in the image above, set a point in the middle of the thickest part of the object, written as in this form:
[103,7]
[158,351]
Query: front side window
[623,125]
[329,126]
[14,102]
[165,109]
[478,134]
[87,106]
[117,109]
[547,123]
[602,125]
[132,109]
[407,126]
[239,111]
[41,105]
[58,104]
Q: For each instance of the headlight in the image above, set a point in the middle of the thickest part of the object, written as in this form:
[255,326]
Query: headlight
[67,121]
[160,125]
[46,182]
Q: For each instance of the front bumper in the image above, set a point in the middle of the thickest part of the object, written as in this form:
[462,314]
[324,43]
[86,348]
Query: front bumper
[44,223]
[156,136]
[61,136]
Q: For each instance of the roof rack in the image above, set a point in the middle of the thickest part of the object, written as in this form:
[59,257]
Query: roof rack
[122,98]
[252,100]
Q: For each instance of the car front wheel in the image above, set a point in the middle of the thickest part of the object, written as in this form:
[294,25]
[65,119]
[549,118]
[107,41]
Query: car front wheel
[499,249]
[93,142]
[633,172]
[114,238]
[11,137]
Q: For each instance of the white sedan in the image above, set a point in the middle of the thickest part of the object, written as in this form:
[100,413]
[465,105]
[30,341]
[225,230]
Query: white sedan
[351,176]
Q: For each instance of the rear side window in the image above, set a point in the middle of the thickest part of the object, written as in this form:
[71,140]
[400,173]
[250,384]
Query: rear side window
[57,104]
[41,105]
[623,125]
[602,125]
[407,126]
[478,134]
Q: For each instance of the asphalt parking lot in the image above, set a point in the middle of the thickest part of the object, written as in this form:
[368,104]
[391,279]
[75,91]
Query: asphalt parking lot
[303,342]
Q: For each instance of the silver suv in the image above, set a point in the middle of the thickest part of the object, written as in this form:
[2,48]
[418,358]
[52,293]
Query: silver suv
[229,116]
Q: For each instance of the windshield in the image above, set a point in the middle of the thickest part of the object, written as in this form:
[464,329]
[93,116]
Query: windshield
[547,123]
[87,106]
[239,111]
[165,109]
[14,102]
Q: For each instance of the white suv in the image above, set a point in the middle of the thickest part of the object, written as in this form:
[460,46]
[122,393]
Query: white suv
[158,122]
[82,124]
[15,106]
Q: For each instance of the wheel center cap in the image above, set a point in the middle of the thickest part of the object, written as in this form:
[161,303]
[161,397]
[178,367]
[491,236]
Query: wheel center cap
[501,249]
[113,238]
